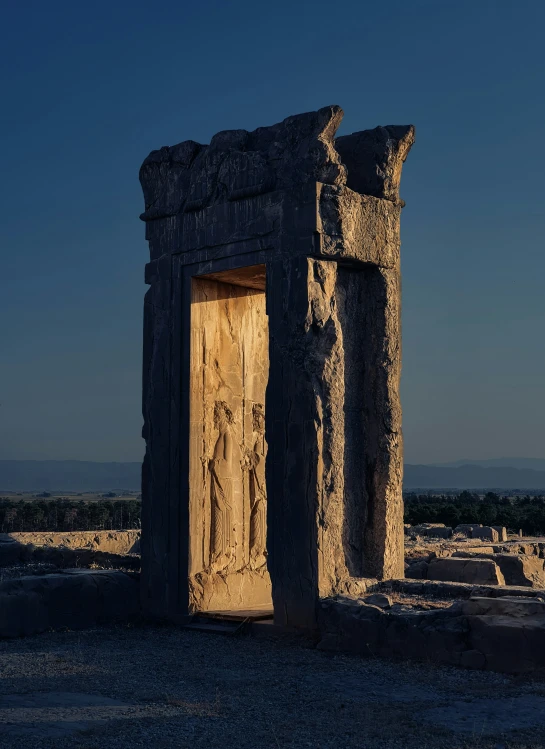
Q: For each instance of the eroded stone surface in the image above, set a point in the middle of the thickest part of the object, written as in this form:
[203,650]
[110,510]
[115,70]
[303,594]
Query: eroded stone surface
[374,159]
[240,164]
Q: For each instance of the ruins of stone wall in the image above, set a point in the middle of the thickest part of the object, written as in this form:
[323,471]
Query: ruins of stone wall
[71,549]
[321,215]
[479,632]
[69,600]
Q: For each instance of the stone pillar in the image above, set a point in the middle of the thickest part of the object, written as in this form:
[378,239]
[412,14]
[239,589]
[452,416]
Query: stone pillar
[334,470]
[311,225]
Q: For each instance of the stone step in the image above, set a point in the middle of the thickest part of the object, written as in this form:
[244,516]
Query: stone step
[216,627]
[239,615]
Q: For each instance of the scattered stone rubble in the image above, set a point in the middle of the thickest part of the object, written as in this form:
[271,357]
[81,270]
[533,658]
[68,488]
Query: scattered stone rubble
[511,563]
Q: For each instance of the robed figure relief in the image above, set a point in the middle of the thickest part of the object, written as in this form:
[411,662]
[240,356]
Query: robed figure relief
[255,459]
[222,466]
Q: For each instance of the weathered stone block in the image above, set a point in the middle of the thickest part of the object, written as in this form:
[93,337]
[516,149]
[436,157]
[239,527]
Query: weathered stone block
[505,606]
[432,530]
[486,533]
[467,528]
[374,159]
[475,571]
[509,644]
[520,569]
[378,599]
[502,532]
[417,570]
[474,551]
[517,568]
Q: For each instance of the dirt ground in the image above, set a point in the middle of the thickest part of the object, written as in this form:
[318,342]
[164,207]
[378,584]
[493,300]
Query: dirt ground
[166,687]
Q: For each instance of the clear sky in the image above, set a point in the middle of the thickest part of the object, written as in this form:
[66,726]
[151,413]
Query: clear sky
[88,89]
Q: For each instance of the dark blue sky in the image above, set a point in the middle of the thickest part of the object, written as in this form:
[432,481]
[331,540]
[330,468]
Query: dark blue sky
[88,89]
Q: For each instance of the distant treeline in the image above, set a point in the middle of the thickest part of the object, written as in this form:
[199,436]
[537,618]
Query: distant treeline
[44,514]
[526,513]
[68,515]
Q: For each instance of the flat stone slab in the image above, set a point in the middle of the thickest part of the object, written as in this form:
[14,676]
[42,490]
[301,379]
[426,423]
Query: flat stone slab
[489,717]
[56,714]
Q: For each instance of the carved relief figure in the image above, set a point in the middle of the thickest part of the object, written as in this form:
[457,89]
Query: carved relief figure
[222,467]
[258,496]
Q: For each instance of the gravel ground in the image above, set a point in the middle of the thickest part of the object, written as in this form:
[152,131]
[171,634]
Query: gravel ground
[160,687]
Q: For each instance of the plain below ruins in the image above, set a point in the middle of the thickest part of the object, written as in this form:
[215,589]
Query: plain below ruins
[272,480]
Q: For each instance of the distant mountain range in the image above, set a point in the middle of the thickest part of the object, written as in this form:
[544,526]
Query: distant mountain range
[68,476]
[536,464]
[86,476]
[473,476]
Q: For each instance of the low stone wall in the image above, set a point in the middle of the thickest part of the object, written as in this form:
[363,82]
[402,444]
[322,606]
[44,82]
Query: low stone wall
[103,549]
[497,634]
[439,530]
[75,599]
[12,553]
[114,542]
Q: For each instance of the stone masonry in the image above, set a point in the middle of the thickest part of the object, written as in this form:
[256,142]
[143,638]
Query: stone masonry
[272,357]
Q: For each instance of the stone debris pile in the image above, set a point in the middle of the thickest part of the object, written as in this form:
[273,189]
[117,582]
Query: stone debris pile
[512,563]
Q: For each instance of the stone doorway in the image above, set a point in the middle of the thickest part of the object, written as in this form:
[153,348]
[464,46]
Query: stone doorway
[322,214]
[229,367]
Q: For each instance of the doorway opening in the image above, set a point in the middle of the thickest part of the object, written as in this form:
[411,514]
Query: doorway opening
[227,491]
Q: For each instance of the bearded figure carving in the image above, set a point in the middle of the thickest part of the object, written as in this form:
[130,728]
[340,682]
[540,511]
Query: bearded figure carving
[258,496]
[222,467]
